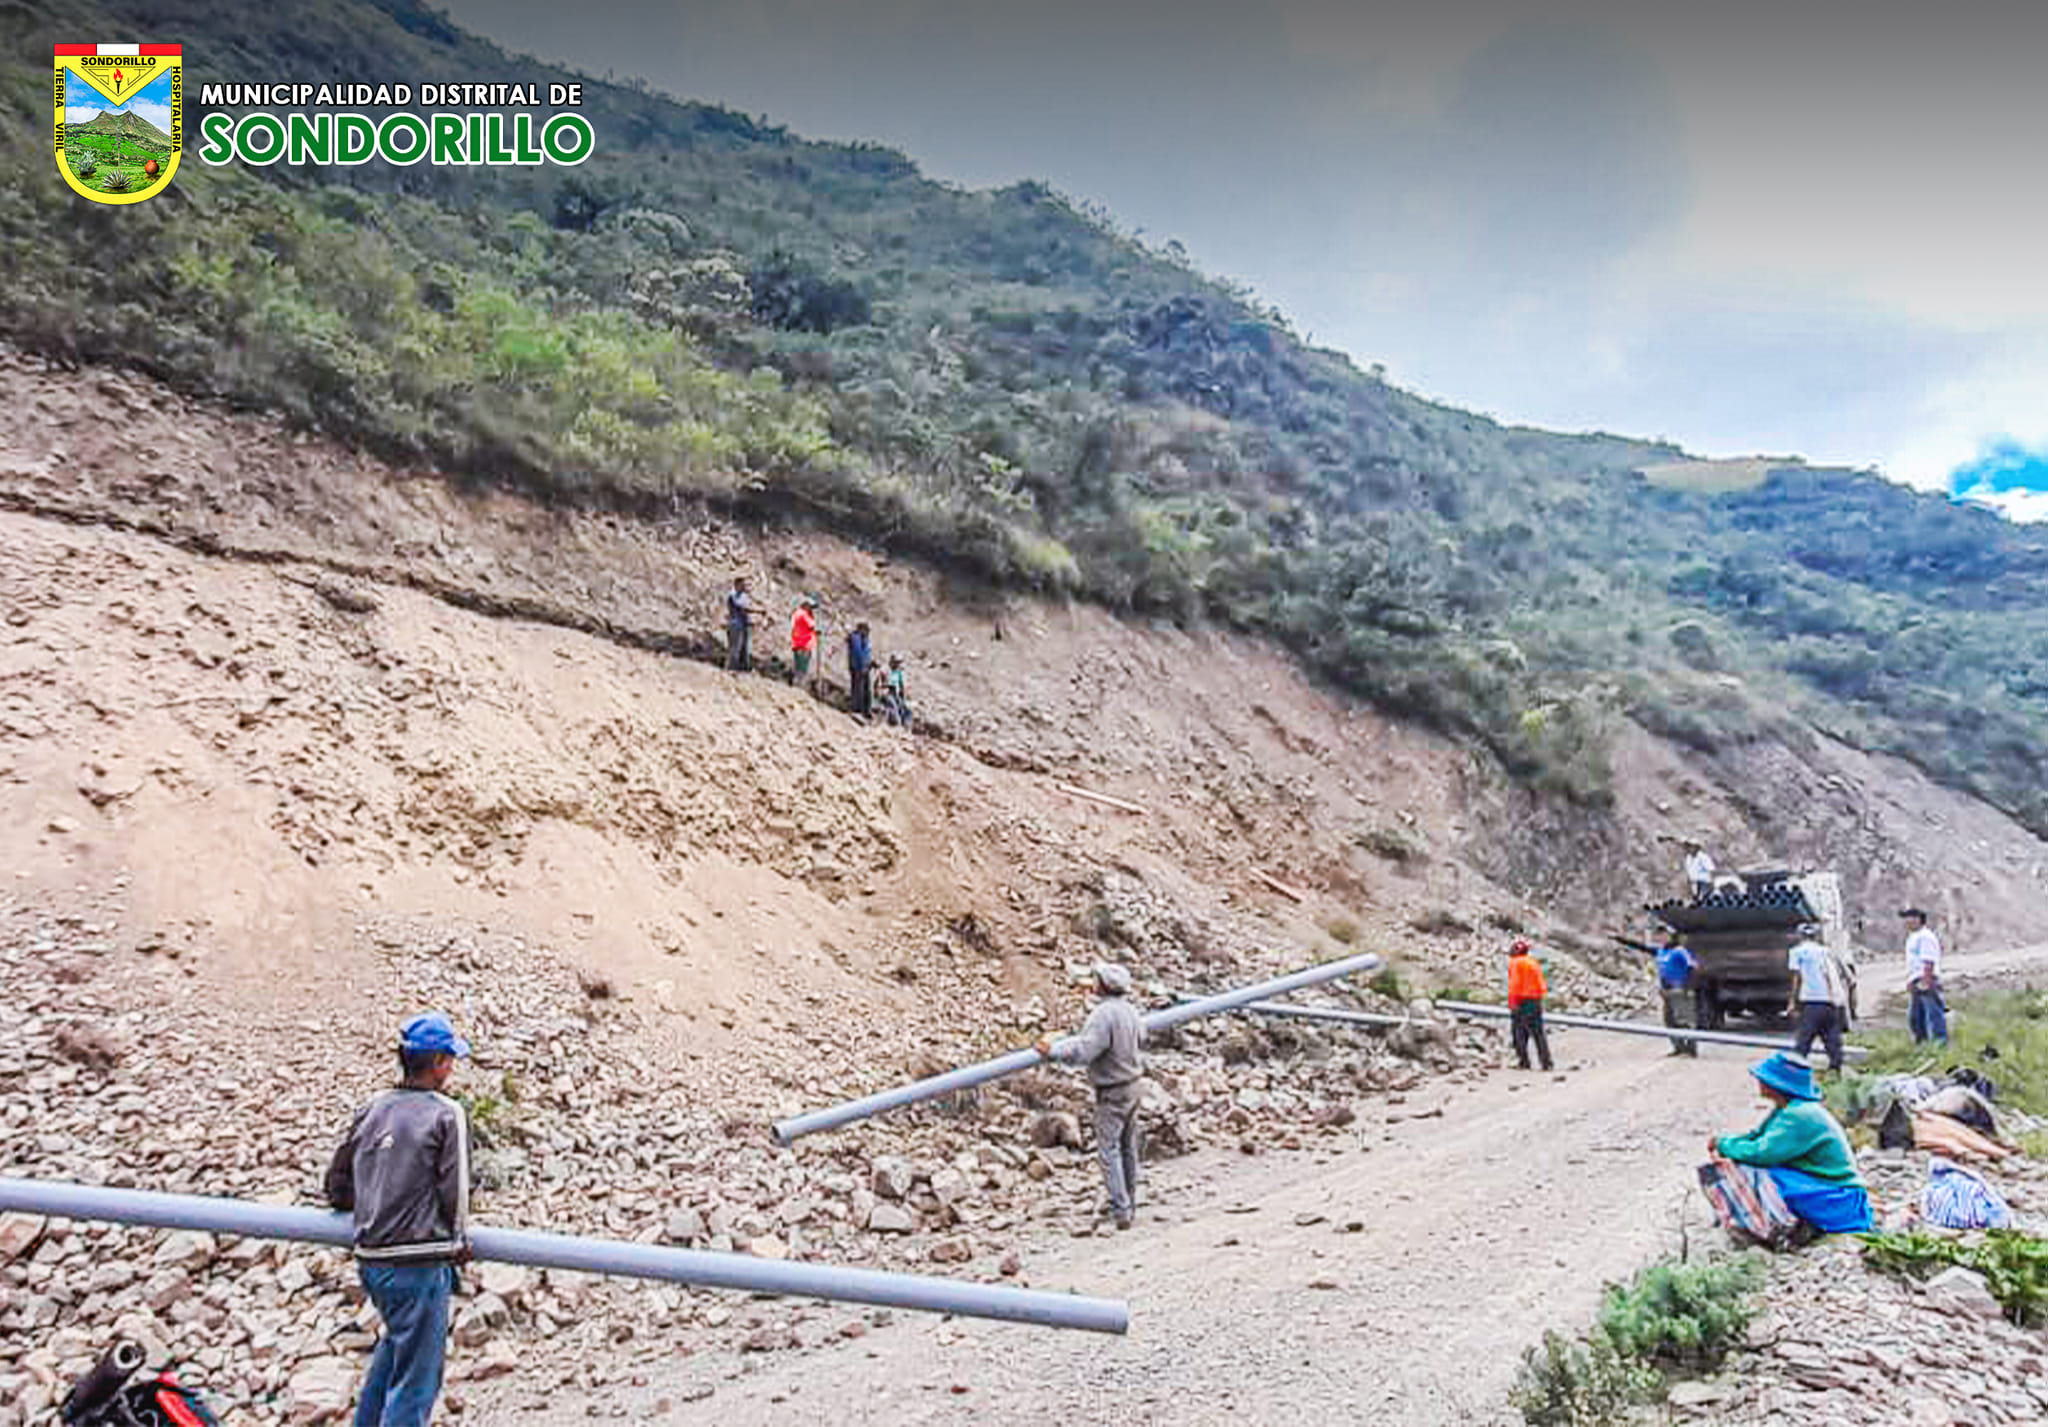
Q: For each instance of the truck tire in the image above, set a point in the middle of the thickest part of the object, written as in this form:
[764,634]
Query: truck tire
[1711,1015]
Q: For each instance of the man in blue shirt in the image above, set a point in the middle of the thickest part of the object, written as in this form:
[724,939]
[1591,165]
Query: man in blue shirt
[1814,997]
[1675,966]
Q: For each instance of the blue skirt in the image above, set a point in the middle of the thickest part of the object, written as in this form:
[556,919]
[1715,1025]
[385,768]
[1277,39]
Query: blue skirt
[1830,1207]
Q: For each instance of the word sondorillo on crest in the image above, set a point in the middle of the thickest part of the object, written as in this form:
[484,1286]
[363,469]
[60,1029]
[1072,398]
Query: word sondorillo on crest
[120,123]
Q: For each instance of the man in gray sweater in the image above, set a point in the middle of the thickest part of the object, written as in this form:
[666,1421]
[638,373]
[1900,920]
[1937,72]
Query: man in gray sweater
[1111,1046]
[403,1172]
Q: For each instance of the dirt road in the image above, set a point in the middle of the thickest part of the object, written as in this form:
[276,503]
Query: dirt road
[1250,1301]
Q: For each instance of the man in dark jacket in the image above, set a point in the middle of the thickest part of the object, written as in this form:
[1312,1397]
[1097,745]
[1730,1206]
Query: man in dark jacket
[739,627]
[403,1172]
[859,671]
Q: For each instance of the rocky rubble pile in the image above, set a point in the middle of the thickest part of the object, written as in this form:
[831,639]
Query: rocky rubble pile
[1840,1345]
[117,1067]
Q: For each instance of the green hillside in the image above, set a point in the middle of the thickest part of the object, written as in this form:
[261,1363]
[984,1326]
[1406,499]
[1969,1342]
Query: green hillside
[1001,381]
[127,126]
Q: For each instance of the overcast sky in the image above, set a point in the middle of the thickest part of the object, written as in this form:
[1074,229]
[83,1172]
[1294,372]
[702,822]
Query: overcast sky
[1809,228]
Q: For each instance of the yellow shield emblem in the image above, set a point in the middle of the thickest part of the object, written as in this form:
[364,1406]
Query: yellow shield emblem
[120,119]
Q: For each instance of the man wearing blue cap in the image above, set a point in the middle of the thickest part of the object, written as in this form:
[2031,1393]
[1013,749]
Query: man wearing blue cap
[403,1172]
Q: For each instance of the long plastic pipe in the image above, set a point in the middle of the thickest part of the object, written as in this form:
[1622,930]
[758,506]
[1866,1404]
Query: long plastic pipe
[1472,1009]
[1327,1013]
[561,1251]
[790,1130]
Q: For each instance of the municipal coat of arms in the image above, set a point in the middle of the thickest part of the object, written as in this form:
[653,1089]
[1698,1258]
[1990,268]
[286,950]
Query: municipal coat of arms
[120,119]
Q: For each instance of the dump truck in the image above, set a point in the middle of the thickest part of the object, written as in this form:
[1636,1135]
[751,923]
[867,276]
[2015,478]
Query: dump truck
[1741,931]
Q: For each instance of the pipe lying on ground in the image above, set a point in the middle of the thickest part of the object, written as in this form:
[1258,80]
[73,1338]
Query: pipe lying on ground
[1473,1010]
[561,1251]
[967,1076]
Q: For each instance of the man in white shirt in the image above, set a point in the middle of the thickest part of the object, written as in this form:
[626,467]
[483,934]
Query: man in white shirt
[1699,870]
[1928,1015]
[1814,998]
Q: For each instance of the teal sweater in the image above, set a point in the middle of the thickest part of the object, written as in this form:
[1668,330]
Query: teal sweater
[1801,1135]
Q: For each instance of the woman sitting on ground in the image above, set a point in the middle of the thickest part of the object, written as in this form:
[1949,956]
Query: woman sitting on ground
[1792,1178]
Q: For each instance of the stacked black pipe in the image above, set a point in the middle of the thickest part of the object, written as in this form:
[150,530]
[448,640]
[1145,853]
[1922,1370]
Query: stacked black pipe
[1768,904]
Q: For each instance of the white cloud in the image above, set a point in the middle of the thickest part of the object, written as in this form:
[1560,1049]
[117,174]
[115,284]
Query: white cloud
[2028,507]
[157,114]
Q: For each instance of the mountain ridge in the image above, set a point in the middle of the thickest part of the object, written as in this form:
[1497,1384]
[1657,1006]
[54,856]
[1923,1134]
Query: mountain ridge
[1006,383]
[125,123]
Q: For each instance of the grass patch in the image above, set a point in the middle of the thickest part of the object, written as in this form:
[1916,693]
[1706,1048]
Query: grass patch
[1342,930]
[2014,1264]
[1390,982]
[2004,1034]
[1675,1318]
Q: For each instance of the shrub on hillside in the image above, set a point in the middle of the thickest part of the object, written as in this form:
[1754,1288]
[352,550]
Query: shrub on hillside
[1581,1384]
[1683,1315]
[1674,1317]
[789,293]
[115,182]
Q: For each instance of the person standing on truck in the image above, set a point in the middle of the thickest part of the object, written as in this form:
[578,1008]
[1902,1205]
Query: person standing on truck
[1814,997]
[1928,1012]
[1675,967]
[1699,869]
[1526,990]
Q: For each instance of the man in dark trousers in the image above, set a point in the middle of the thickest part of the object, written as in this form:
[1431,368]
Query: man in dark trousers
[1814,998]
[1111,1046]
[739,628]
[860,663]
[1526,990]
[403,1172]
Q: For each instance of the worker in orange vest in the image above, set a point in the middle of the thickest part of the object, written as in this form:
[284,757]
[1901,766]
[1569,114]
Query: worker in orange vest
[1526,990]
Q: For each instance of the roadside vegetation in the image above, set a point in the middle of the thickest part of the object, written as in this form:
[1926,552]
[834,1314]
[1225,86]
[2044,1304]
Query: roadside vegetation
[2001,1034]
[1006,382]
[2014,1264]
[1676,1318]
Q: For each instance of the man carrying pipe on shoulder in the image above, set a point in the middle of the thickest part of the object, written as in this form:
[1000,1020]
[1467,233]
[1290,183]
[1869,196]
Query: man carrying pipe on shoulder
[1111,1046]
[403,1171]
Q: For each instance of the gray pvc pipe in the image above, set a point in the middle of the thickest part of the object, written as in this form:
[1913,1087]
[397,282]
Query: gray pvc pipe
[787,1131]
[1327,1013]
[561,1251]
[1472,1009]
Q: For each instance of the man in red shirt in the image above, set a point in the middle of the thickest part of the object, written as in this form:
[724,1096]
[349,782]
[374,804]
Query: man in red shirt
[803,641]
[1526,990]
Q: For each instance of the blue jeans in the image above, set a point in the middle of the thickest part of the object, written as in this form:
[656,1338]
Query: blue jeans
[405,1371]
[1928,1015]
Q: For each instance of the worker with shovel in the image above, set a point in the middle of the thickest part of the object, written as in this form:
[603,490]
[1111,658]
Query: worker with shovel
[1111,1046]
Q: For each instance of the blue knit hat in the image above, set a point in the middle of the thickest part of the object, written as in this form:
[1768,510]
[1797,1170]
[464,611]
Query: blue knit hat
[1782,1073]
